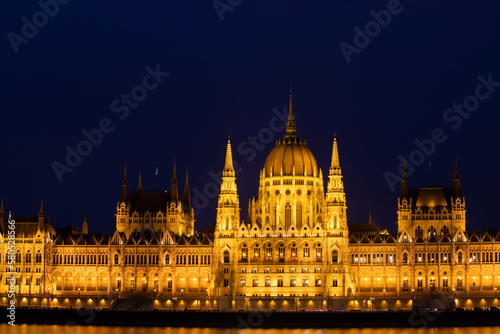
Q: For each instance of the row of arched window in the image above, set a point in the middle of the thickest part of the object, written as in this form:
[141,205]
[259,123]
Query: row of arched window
[293,282]
[191,259]
[27,257]
[376,258]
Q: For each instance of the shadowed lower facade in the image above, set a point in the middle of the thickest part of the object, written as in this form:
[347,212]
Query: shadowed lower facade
[296,249]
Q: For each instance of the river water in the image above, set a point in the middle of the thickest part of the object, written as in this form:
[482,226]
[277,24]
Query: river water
[47,329]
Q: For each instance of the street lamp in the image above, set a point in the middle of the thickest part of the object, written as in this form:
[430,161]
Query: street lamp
[175,300]
[246,301]
[296,302]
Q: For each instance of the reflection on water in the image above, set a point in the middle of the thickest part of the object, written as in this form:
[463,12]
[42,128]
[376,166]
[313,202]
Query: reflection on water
[58,329]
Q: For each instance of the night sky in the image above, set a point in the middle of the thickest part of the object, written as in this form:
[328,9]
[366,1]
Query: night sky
[225,66]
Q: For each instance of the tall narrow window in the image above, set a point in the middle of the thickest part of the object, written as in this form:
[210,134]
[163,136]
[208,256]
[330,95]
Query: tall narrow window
[298,218]
[288,215]
[335,256]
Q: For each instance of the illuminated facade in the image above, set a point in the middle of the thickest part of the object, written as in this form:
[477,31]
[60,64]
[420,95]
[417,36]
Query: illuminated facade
[296,250]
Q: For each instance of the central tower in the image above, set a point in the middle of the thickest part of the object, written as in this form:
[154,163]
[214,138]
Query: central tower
[291,193]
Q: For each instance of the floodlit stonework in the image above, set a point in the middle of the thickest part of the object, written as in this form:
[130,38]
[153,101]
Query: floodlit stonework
[296,250]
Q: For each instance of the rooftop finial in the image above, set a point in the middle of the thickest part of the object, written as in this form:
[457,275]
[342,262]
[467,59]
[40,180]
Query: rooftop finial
[291,126]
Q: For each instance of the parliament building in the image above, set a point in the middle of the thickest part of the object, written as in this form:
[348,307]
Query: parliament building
[296,250]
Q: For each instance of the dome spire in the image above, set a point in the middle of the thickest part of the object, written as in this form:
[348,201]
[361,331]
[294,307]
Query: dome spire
[291,126]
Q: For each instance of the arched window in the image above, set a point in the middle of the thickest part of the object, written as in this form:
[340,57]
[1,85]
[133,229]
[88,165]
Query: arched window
[38,257]
[298,218]
[460,257]
[335,221]
[288,215]
[244,253]
[431,230]
[116,259]
[269,252]
[418,231]
[335,256]
[227,223]
[405,257]
[226,256]
[18,256]
[28,256]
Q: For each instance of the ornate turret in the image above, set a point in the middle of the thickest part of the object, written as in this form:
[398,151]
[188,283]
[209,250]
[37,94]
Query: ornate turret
[335,196]
[228,211]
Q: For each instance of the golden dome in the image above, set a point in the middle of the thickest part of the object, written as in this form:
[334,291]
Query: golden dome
[291,152]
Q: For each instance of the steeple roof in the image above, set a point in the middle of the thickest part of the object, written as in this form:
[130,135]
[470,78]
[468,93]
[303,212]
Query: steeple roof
[139,187]
[335,154]
[175,189]
[124,196]
[291,126]
[228,166]
[404,182]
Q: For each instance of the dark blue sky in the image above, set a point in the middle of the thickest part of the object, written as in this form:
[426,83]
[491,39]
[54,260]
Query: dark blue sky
[231,74]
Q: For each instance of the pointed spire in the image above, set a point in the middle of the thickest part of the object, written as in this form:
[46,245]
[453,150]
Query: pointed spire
[124,195]
[335,154]
[404,182]
[139,187]
[291,126]
[370,221]
[228,166]
[175,189]
[41,218]
[41,213]
[187,196]
[85,227]
[457,188]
